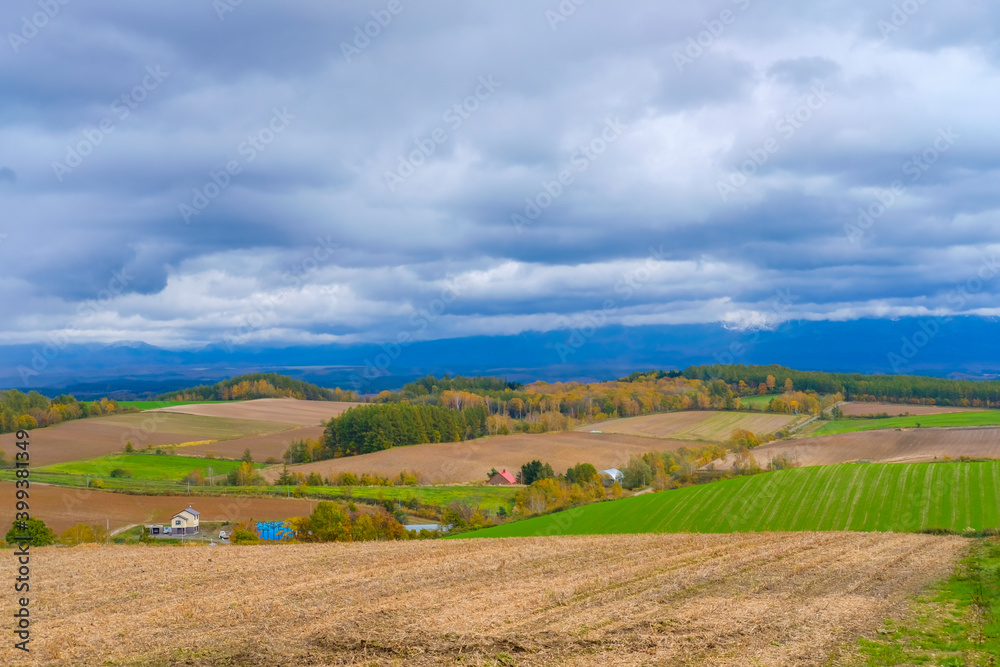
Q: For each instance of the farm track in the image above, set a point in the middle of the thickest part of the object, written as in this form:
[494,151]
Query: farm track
[781,599]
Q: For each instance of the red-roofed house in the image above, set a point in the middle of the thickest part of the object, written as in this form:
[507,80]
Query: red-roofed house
[502,478]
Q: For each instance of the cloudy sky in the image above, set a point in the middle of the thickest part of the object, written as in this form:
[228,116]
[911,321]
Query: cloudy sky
[313,172]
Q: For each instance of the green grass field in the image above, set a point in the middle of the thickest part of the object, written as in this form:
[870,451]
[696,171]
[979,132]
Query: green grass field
[142,466]
[758,402]
[984,418]
[899,497]
[151,405]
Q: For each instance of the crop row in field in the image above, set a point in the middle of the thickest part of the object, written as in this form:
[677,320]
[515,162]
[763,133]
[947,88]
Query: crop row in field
[701,425]
[899,497]
[785,599]
[954,419]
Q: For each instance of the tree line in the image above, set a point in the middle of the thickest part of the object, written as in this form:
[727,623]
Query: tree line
[913,389]
[259,385]
[377,426]
[33,410]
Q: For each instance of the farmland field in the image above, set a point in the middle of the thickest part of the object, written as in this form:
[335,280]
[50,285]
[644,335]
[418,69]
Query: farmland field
[62,507]
[900,497]
[285,410]
[694,425]
[261,447]
[782,599]
[758,402]
[143,466]
[470,461]
[151,405]
[908,445]
[97,436]
[949,420]
[854,409]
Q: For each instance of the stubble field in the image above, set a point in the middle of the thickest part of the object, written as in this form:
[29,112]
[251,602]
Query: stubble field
[471,460]
[781,599]
[694,425]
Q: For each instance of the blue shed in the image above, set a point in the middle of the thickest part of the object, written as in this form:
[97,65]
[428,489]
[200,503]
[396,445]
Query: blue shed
[274,530]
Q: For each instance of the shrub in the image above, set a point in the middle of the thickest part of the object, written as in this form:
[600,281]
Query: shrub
[38,534]
[120,472]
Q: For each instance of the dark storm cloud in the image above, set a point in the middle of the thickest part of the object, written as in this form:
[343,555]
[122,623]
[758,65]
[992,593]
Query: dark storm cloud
[141,151]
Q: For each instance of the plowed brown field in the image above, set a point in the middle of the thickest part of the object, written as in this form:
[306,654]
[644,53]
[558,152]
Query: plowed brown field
[470,461]
[693,425]
[889,445]
[287,410]
[895,409]
[261,447]
[62,507]
[770,599]
[99,436]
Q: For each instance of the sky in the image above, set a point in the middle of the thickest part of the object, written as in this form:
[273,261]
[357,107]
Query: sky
[311,173]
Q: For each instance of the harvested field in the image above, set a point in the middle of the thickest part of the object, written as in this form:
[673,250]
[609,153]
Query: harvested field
[286,410]
[909,444]
[852,409]
[62,507]
[694,425]
[470,461]
[261,447]
[785,599]
[99,436]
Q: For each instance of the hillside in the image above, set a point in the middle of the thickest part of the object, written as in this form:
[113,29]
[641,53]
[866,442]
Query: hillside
[688,600]
[471,460]
[897,497]
[258,385]
[884,446]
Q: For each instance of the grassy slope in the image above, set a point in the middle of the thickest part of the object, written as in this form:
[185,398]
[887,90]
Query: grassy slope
[897,497]
[143,466]
[956,623]
[150,405]
[985,418]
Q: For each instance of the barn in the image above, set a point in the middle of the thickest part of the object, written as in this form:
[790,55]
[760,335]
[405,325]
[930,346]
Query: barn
[185,522]
[502,478]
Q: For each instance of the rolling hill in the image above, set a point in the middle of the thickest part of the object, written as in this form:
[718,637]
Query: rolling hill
[899,497]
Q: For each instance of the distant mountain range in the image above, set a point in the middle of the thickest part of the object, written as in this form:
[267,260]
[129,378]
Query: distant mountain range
[957,347]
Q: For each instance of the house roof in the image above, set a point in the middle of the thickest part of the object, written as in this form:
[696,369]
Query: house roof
[189,511]
[613,472]
[508,476]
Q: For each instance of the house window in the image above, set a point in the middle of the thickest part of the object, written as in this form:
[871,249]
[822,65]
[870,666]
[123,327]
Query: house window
[177,523]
